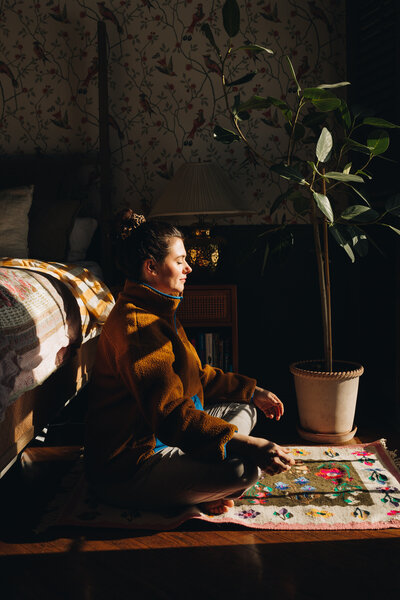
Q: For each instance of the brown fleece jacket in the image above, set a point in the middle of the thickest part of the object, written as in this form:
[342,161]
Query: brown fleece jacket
[145,376]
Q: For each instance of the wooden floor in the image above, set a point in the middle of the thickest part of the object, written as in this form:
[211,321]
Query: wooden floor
[198,560]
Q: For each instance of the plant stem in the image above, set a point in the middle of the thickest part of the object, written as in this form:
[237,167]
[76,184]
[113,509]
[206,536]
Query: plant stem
[328,309]
[324,286]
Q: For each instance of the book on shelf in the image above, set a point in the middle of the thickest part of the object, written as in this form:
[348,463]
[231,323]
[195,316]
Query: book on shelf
[214,348]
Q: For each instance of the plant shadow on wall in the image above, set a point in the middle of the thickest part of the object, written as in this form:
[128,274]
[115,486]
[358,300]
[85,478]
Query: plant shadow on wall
[327,166]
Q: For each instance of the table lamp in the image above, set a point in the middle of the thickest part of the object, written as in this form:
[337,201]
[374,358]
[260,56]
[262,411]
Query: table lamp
[204,191]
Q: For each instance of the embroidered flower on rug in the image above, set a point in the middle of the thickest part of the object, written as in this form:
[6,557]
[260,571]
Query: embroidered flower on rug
[308,488]
[301,480]
[331,453]
[300,452]
[283,514]
[280,485]
[364,457]
[393,513]
[388,495]
[361,513]
[376,475]
[315,513]
[334,474]
[249,513]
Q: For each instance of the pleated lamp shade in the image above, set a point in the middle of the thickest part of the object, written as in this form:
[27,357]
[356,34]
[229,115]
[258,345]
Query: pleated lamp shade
[199,189]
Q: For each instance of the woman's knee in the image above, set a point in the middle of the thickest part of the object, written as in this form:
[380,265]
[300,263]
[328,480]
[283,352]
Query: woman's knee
[241,473]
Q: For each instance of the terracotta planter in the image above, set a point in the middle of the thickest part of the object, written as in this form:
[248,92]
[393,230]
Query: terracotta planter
[326,400]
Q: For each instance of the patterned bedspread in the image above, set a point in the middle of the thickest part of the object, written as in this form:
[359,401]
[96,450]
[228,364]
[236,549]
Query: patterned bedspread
[46,310]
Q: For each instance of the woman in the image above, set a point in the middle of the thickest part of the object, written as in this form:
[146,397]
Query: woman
[162,429]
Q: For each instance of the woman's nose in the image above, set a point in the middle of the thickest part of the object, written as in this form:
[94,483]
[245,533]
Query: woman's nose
[188,268]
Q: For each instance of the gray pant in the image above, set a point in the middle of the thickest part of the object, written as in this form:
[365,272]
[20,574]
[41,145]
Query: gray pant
[173,478]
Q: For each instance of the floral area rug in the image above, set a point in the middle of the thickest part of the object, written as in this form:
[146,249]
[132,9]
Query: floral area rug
[346,487]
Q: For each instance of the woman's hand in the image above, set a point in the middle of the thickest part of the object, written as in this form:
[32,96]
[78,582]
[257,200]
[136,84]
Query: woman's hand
[270,457]
[270,404]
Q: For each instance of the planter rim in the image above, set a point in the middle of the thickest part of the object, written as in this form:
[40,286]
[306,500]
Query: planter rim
[303,368]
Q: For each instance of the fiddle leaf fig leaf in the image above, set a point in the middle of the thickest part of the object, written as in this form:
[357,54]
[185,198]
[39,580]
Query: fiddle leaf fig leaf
[298,133]
[288,173]
[344,177]
[206,29]
[324,145]
[327,86]
[225,136]
[242,80]
[260,103]
[392,205]
[231,17]
[324,205]
[359,212]
[340,235]
[322,99]
[293,72]
[344,114]
[376,122]
[253,49]
[378,141]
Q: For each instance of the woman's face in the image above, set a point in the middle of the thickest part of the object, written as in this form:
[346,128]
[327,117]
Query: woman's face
[169,276]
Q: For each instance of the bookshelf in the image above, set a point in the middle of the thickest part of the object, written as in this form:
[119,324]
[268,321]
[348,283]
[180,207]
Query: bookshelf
[209,316]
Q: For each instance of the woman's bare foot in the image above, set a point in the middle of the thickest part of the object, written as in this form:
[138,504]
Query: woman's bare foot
[217,507]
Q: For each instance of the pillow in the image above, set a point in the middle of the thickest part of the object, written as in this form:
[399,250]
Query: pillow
[80,238]
[14,224]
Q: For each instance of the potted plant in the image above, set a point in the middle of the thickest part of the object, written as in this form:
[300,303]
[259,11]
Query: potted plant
[344,145]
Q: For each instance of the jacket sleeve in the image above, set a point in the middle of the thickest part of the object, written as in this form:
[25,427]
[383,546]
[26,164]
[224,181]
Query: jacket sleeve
[147,370]
[219,386]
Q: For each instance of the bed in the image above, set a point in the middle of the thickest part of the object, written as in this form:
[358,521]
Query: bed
[53,300]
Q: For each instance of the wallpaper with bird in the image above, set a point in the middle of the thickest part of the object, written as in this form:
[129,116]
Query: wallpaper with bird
[165,94]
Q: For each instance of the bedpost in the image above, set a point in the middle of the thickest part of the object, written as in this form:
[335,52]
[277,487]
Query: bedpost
[104,155]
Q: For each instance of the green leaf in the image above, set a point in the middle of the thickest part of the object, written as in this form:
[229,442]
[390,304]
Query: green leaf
[313,119]
[231,17]
[324,205]
[205,28]
[339,234]
[344,114]
[324,145]
[260,103]
[378,141]
[377,122]
[345,177]
[254,48]
[327,86]
[392,205]
[288,173]
[392,228]
[226,136]
[359,212]
[359,240]
[357,191]
[242,80]
[293,75]
[299,131]
[322,99]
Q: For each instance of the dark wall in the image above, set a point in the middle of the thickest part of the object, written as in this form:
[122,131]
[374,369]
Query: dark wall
[279,313]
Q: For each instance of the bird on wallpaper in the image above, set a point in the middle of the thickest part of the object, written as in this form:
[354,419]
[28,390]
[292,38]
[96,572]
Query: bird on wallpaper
[61,121]
[107,14]
[318,13]
[303,68]
[271,14]
[59,15]
[270,119]
[145,104]
[114,124]
[251,53]
[92,71]
[250,159]
[197,123]
[148,4]
[38,50]
[5,69]
[165,68]
[211,65]
[197,17]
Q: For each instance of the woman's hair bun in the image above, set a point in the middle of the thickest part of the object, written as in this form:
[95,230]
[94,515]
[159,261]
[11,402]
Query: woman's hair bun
[126,222]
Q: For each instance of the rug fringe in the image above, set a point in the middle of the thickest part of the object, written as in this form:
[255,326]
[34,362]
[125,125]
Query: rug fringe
[391,453]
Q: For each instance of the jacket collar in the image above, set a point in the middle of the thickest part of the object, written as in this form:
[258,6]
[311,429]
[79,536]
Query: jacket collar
[149,298]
